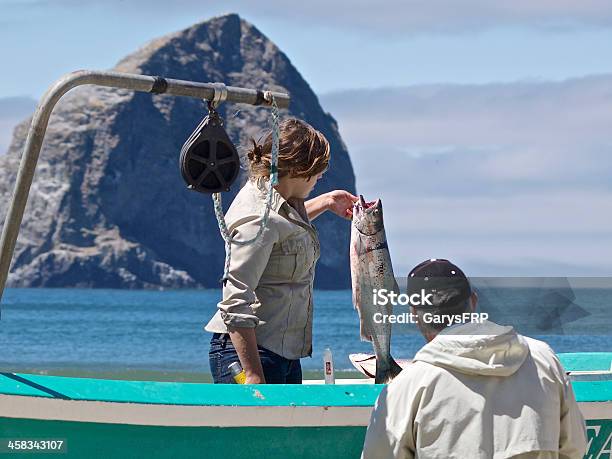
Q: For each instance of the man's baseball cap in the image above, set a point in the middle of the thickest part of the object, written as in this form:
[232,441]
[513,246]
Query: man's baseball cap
[448,285]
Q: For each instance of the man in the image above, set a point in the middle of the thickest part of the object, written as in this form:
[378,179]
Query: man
[475,390]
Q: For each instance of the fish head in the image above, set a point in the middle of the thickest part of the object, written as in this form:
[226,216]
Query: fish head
[368,216]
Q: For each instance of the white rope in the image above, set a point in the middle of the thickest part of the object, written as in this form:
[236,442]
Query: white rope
[273,181]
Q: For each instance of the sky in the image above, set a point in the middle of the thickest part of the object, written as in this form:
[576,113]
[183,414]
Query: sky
[335,45]
[482,125]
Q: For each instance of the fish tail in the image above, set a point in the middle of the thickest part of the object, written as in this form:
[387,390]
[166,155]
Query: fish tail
[385,375]
[395,368]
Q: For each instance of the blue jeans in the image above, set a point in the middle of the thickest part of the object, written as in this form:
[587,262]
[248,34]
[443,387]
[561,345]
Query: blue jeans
[277,369]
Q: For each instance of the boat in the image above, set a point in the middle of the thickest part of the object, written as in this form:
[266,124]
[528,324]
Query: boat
[147,419]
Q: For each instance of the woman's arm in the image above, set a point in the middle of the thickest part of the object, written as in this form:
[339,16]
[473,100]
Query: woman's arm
[245,342]
[339,202]
[317,205]
[247,264]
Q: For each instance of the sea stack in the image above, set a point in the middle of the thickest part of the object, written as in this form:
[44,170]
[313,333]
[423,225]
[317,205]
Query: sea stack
[108,207]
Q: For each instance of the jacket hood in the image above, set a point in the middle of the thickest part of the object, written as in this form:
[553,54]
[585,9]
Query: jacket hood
[485,349]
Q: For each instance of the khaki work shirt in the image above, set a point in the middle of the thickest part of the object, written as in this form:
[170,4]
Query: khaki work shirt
[270,282]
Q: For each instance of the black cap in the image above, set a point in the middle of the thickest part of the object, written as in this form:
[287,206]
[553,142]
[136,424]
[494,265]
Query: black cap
[448,285]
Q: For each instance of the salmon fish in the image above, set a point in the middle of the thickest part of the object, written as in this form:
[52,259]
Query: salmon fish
[371,269]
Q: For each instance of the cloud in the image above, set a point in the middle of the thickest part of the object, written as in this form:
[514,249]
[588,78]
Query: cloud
[16,106]
[516,174]
[537,234]
[405,17]
[12,111]
[392,17]
[516,135]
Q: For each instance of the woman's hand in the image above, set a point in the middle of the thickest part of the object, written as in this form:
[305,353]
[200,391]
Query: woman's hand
[245,343]
[341,203]
[254,378]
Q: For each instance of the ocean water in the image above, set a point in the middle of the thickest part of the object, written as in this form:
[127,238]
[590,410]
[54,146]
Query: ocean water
[91,331]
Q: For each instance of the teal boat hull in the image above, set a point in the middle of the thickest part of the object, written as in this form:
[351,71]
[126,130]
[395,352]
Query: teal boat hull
[108,418]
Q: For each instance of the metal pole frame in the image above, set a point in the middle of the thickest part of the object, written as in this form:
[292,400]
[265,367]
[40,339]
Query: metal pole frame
[143,83]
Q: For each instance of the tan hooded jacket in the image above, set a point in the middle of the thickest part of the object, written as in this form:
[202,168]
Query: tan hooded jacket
[478,391]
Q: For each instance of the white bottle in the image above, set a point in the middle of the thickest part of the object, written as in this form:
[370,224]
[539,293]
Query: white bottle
[328,366]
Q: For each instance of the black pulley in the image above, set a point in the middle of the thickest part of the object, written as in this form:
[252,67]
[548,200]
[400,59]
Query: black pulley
[209,161]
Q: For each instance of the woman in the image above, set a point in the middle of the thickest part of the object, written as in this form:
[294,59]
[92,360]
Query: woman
[265,317]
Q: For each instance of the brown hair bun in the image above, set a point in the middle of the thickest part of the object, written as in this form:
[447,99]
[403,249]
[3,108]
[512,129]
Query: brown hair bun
[303,151]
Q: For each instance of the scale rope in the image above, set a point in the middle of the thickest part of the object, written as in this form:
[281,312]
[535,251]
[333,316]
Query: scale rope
[217,201]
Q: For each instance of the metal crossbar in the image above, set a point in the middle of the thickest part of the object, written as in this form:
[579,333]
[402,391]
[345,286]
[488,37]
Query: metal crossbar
[40,120]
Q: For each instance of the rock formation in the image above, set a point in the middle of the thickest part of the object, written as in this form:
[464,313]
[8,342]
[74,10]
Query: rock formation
[108,207]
